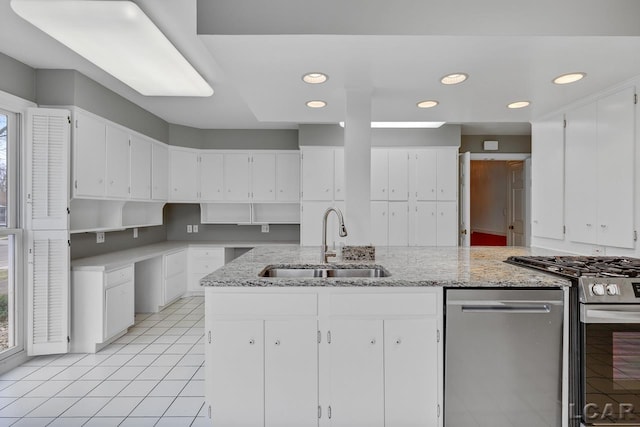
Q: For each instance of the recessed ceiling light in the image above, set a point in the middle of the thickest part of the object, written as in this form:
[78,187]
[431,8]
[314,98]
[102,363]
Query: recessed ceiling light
[119,38]
[315,78]
[569,78]
[427,104]
[519,104]
[454,79]
[404,125]
[316,104]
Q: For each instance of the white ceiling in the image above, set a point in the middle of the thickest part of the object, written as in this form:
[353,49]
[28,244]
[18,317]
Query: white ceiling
[257,78]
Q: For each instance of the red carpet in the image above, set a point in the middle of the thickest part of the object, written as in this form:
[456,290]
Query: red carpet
[483,239]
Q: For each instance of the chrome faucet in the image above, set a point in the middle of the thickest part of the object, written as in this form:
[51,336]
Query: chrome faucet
[324,253]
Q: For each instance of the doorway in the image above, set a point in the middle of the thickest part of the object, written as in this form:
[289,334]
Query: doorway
[498,202]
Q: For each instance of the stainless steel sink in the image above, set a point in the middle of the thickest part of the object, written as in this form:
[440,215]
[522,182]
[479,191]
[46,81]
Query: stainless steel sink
[304,272]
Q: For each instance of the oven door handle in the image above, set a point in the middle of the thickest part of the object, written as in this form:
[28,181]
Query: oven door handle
[594,315]
[529,308]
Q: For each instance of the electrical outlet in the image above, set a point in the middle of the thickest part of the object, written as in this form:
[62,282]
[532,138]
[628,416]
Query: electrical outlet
[100,237]
[135,233]
[189,228]
[195,228]
[265,228]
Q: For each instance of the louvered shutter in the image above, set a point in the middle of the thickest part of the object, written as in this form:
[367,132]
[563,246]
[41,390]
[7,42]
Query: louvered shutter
[47,161]
[48,292]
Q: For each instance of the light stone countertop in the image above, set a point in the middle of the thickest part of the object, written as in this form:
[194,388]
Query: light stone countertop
[409,266]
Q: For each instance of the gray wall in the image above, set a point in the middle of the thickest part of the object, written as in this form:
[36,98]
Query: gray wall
[69,87]
[17,78]
[333,135]
[233,139]
[84,244]
[178,216]
[506,144]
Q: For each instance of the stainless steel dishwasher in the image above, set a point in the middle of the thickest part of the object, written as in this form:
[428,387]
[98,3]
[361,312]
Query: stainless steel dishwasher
[503,357]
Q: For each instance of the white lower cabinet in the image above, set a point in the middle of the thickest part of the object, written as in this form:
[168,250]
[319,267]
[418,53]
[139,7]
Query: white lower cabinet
[434,224]
[175,275]
[323,357]
[102,307]
[202,261]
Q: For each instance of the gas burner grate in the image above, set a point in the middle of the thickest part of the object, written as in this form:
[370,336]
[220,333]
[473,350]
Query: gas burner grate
[581,266]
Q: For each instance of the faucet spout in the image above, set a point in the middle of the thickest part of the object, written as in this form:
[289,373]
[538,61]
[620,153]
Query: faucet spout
[342,230]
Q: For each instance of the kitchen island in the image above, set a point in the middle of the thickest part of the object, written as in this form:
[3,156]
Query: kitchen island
[340,351]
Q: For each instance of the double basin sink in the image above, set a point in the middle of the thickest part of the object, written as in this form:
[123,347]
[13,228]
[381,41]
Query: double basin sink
[321,271]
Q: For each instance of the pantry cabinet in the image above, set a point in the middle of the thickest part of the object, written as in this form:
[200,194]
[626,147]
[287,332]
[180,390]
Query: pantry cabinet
[389,174]
[323,356]
[435,174]
[389,223]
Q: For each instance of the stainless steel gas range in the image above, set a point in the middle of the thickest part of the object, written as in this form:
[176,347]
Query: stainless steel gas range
[604,336]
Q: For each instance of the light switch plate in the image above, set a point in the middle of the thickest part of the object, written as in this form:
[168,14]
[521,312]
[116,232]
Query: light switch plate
[100,237]
[189,228]
[195,228]
[135,233]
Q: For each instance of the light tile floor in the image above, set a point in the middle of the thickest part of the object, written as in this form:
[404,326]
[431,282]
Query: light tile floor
[152,376]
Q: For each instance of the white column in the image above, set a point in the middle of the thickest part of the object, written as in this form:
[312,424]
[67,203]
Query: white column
[357,166]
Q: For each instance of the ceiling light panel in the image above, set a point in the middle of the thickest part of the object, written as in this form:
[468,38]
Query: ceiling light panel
[315,78]
[454,78]
[404,125]
[119,38]
[518,104]
[316,104]
[569,78]
[427,104]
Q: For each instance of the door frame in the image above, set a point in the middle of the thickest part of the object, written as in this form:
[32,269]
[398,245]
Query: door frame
[526,159]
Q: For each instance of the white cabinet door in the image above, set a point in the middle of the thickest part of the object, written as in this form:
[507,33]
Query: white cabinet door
[211,176]
[288,177]
[317,174]
[425,224]
[140,168]
[236,177]
[447,170]
[235,373]
[184,175]
[379,174]
[357,383]
[398,175]
[616,136]
[425,174]
[338,190]
[89,148]
[447,228]
[547,178]
[581,173]
[398,223]
[160,172]
[410,372]
[379,223]
[263,177]
[175,275]
[291,373]
[117,163]
[119,308]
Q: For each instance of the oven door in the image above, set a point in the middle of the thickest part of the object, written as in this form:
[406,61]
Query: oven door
[610,364]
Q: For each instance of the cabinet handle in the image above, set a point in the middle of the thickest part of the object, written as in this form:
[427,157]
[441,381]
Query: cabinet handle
[209,337]
[398,341]
[588,225]
[393,191]
[603,225]
[329,411]
[252,342]
[373,341]
[277,342]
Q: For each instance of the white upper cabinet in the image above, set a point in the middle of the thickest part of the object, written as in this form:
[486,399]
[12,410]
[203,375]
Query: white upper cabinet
[159,172]
[547,178]
[581,173]
[183,171]
[89,151]
[616,136]
[236,177]
[447,173]
[379,174]
[263,177]
[338,189]
[287,177]
[435,172]
[117,163]
[140,168]
[398,175]
[317,174]
[211,176]
[425,172]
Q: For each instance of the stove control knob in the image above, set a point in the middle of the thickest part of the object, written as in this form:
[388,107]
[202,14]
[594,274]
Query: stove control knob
[612,289]
[598,289]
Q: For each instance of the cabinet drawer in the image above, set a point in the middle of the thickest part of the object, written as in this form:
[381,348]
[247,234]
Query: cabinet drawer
[121,275]
[175,263]
[205,265]
[263,304]
[384,304]
[217,253]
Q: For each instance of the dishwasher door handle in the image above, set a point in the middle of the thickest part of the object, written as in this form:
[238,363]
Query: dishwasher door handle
[516,309]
